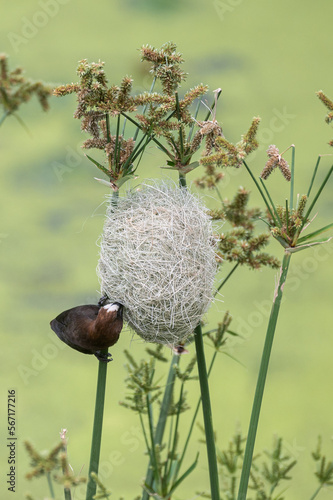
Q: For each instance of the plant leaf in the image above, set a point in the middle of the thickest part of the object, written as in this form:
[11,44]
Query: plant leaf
[98,165]
[315,233]
[298,248]
[192,166]
[282,241]
[234,333]
[109,184]
[124,179]
[306,216]
[184,476]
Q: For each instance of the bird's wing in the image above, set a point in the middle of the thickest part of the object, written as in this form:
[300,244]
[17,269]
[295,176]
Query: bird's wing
[67,318]
[58,327]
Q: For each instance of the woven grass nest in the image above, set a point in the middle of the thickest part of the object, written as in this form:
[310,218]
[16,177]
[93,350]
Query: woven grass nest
[157,258]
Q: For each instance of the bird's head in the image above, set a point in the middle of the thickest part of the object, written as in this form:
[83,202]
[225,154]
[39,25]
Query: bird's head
[109,322]
[115,310]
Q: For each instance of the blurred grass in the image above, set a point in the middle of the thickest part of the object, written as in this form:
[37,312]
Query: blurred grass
[269,58]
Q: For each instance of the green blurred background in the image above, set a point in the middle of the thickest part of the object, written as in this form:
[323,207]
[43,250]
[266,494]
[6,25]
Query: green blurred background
[269,58]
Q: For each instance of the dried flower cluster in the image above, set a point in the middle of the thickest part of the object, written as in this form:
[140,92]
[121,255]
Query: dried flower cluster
[324,467]
[173,122]
[275,160]
[165,66]
[15,89]
[42,464]
[290,221]
[140,382]
[329,105]
[164,117]
[222,153]
[94,97]
[287,222]
[167,115]
[96,104]
[218,336]
[49,463]
[240,244]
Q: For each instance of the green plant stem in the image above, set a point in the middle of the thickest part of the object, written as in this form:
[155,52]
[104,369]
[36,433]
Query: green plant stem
[4,116]
[175,433]
[226,278]
[117,146]
[207,414]
[153,458]
[167,398]
[260,191]
[151,137]
[189,137]
[182,180]
[316,492]
[317,195]
[97,428]
[292,181]
[307,215]
[67,491]
[313,176]
[138,149]
[262,378]
[138,128]
[49,481]
[160,427]
[271,201]
[213,105]
[68,495]
[219,194]
[21,122]
[193,422]
[107,122]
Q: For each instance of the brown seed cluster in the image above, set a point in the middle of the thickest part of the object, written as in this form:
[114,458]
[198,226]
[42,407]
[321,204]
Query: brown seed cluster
[16,89]
[275,160]
[220,152]
[329,105]
[240,244]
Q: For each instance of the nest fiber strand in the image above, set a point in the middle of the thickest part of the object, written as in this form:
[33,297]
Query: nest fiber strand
[158,259]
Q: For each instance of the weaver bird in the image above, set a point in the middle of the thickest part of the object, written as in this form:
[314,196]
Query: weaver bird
[90,329]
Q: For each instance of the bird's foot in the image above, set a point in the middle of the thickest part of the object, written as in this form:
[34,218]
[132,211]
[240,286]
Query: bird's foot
[105,357]
[102,301]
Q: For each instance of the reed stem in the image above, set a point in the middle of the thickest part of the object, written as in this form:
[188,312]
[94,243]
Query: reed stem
[251,437]
[160,427]
[207,414]
[97,429]
[49,482]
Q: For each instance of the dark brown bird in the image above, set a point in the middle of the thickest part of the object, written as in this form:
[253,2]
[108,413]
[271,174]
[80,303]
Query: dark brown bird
[90,329]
